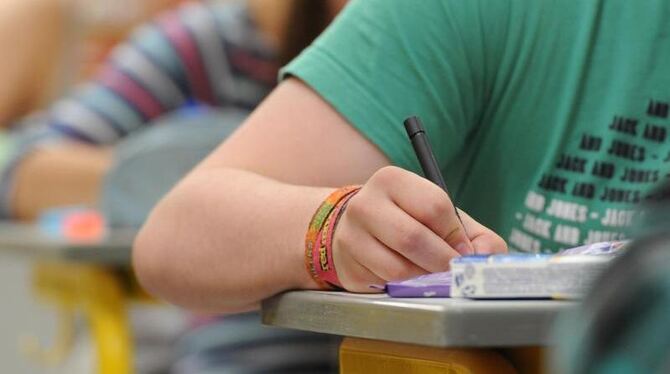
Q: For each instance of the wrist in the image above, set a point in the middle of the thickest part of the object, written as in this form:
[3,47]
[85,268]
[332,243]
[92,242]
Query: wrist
[297,276]
[318,260]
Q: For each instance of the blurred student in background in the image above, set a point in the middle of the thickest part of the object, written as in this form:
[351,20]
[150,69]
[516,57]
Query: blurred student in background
[223,55]
[59,42]
[218,54]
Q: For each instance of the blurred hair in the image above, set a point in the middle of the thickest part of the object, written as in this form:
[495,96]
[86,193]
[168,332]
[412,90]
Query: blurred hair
[307,19]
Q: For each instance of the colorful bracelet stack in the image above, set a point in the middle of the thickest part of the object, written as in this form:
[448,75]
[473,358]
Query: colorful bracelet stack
[319,237]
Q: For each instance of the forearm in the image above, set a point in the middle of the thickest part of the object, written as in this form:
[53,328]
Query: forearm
[225,238]
[50,177]
[260,226]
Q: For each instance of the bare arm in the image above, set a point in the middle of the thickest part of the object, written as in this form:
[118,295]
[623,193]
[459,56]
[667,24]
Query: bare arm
[65,175]
[231,233]
[227,195]
[34,34]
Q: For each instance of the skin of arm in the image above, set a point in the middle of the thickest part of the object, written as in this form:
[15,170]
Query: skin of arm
[33,60]
[236,180]
[232,232]
[68,174]
[39,65]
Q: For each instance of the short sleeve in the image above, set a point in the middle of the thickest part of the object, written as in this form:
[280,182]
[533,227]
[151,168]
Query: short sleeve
[384,60]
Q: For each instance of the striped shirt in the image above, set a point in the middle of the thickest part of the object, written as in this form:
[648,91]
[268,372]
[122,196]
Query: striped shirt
[212,54]
[208,53]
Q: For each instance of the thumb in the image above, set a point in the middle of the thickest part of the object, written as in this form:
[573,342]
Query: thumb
[457,237]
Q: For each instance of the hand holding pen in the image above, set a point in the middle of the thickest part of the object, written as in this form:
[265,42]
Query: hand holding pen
[400,225]
[431,170]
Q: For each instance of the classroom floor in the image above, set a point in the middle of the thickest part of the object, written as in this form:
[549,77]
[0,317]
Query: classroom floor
[21,316]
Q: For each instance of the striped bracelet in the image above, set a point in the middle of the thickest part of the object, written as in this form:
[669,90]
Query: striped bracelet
[318,240]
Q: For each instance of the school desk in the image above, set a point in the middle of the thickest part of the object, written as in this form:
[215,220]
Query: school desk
[387,335]
[90,278]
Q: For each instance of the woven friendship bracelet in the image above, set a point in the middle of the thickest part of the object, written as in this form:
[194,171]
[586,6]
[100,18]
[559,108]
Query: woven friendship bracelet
[325,267]
[313,237]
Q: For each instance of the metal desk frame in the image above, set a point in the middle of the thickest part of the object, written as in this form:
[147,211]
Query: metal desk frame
[89,278]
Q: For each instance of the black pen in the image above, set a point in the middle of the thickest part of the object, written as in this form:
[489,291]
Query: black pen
[419,138]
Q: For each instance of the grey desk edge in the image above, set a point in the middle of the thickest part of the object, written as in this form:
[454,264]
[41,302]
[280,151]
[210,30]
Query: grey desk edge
[430,322]
[26,240]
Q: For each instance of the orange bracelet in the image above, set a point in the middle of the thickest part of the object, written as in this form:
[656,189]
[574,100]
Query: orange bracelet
[322,256]
[315,237]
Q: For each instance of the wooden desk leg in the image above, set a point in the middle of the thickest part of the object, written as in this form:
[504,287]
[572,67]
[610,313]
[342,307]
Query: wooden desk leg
[100,294]
[527,360]
[378,357]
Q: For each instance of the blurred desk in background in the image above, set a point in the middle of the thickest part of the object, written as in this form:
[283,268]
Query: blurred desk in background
[92,278]
[423,335]
[27,240]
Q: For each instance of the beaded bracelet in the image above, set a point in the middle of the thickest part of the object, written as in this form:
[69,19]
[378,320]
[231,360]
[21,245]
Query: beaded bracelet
[318,256]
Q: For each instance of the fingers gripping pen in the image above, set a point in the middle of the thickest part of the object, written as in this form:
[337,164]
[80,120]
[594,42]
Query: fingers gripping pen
[419,139]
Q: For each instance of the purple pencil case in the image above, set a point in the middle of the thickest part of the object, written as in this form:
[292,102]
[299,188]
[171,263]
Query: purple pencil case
[429,285]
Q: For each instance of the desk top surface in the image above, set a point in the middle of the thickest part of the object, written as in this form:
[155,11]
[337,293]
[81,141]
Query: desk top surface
[27,240]
[434,322]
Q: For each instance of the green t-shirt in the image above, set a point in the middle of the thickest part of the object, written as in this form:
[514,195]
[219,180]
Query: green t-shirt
[549,118]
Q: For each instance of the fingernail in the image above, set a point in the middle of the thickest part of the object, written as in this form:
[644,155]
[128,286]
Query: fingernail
[463,249]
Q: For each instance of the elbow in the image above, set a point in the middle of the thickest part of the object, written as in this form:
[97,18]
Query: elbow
[159,274]
[171,271]
[155,258]
[181,257]
[149,264]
